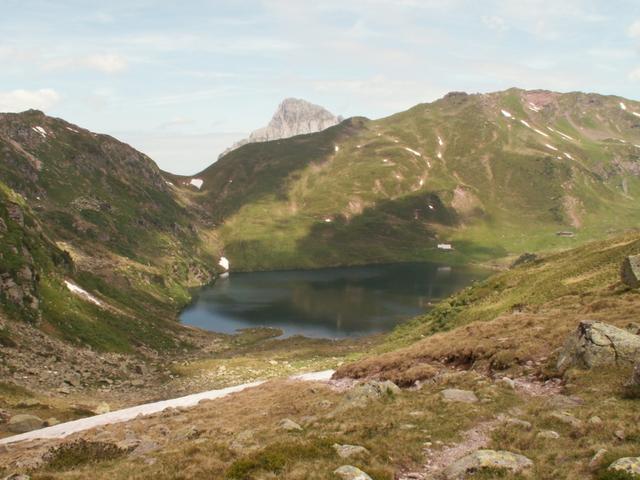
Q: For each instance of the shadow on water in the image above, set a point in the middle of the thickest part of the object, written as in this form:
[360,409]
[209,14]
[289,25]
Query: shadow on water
[327,303]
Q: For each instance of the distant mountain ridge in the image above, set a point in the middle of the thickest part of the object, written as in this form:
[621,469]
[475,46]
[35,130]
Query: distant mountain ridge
[293,116]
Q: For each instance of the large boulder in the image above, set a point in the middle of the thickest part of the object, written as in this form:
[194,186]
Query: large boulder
[348,472]
[23,423]
[629,465]
[487,459]
[630,271]
[596,344]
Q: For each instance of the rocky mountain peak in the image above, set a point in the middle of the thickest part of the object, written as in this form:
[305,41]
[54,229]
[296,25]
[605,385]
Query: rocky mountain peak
[294,116]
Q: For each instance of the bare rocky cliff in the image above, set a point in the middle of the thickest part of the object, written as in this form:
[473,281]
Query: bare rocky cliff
[293,117]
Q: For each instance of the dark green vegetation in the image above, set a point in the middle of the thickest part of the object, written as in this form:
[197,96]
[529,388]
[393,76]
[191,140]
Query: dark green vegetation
[82,207]
[456,170]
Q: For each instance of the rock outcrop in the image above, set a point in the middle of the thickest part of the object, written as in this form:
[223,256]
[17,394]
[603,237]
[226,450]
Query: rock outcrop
[597,344]
[293,117]
[487,459]
[630,465]
[349,472]
[630,271]
[24,423]
[456,395]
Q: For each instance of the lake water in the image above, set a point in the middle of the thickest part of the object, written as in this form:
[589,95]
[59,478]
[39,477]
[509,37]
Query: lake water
[327,303]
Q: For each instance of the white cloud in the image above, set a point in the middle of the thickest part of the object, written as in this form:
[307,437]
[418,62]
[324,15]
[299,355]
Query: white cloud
[634,29]
[105,62]
[494,22]
[635,75]
[20,100]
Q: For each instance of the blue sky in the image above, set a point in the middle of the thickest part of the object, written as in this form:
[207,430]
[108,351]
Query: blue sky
[182,80]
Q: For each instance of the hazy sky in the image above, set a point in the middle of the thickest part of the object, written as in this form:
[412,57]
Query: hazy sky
[183,80]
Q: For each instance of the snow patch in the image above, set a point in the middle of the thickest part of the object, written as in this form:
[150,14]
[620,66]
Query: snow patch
[336,148]
[636,114]
[72,130]
[623,106]
[40,130]
[421,182]
[167,182]
[551,147]
[76,290]
[197,182]
[327,220]
[385,160]
[418,154]
[440,142]
[563,135]
[224,263]
[506,114]
[440,155]
[540,132]
[431,207]
[533,107]
[568,156]
[445,246]
[358,146]
[526,124]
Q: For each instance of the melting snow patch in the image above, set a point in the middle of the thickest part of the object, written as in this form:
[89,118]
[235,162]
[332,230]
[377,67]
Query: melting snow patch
[72,130]
[336,148]
[551,147]
[421,182]
[224,263]
[428,164]
[440,155]
[398,176]
[197,182]
[40,130]
[327,220]
[358,146]
[506,114]
[636,114]
[637,146]
[413,151]
[445,246]
[431,207]
[623,106]
[540,132]
[568,156]
[440,142]
[534,107]
[565,136]
[168,183]
[75,289]
[526,124]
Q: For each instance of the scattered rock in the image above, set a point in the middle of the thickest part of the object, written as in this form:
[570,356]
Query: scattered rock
[508,382]
[482,459]
[23,423]
[17,476]
[145,447]
[620,435]
[516,422]
[564,402]
[348,472]
[548,434]
[456,395]
[346,451]
[595,420]
[289,425]
[363,393]
[50,422]
[597,344]
[567,419]
[630,271]
[596,460]
[628,464]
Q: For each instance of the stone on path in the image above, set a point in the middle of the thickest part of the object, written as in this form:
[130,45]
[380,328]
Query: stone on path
[482,459]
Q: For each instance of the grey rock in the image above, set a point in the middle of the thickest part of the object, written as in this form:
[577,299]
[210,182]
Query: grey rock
[630,271]
[289,425]
[596,344]
[456,395]
[597,458]
[363,393]
[567,419]
[564,402]
[635,376]
[548,434]
[349,472]
[293,117]
[516,422]
[23,423]
[346,451]
[628,464]
[17,476]
[482,459]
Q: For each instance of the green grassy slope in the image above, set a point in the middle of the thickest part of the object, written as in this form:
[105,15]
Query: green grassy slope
[457,170]
[129,237]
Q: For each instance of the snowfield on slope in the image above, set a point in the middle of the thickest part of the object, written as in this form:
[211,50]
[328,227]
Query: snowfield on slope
[65,429]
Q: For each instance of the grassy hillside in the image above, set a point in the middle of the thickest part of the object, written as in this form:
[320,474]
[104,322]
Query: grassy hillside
[125,235]
[493,174]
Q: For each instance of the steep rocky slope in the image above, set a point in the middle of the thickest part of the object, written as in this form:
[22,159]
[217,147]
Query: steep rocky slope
[492,174]
[109,246]
[293,117]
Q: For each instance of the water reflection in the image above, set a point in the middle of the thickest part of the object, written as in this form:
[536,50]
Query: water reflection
[336,302]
